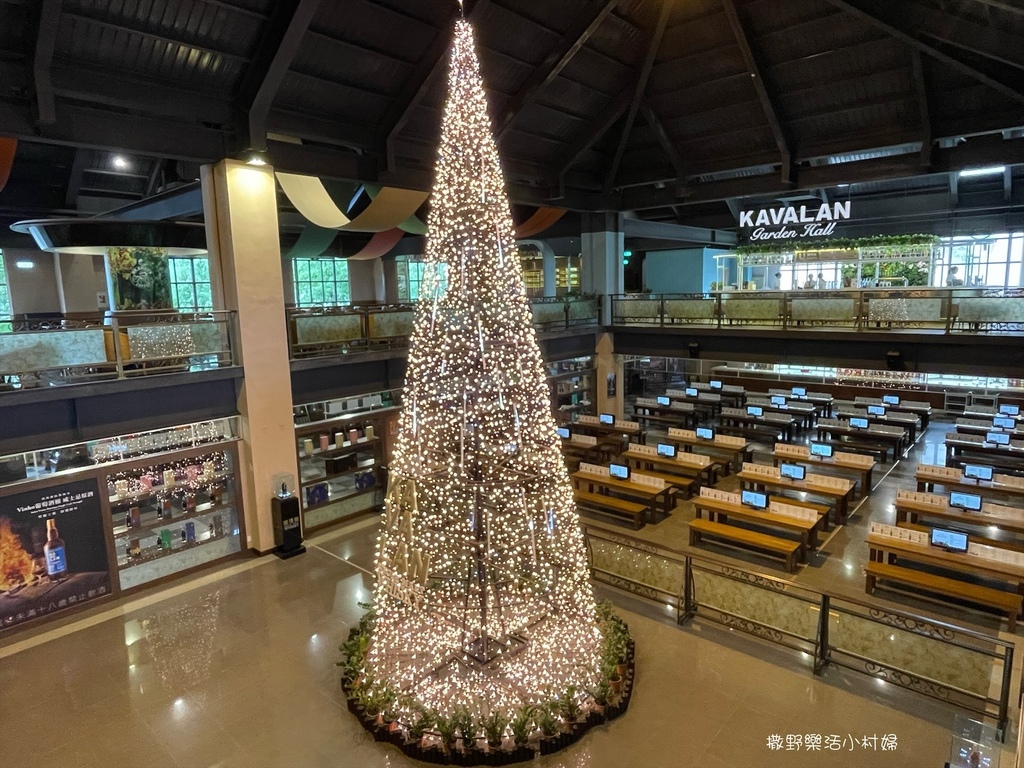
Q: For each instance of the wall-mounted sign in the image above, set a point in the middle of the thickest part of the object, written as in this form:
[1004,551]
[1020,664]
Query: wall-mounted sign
[53,551]
[792,223]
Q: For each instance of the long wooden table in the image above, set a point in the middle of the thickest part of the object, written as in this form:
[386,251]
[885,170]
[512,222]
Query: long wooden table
[703,401]
[1004,518]
[888,437]
[886,552]
[672,416]
[599,430]
[920,409]
[838,498]
[891,549]
[907,421]
[832,466]
[665,496]
[786,425]
[730,393]
[689,464]
[982,427]
[958,450]
[927,481]
[734,456]
[806,413]
[602,451]
[722,511]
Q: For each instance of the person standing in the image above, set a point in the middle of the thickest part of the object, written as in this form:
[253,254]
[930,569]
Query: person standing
[777,282]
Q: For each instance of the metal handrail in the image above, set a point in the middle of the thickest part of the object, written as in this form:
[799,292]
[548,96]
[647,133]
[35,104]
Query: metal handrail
[821,650]
[948,318]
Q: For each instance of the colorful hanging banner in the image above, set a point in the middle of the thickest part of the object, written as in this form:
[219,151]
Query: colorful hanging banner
[391,206]
[379,244]
[542,219]
[414,225]
[7,149]
[312,242]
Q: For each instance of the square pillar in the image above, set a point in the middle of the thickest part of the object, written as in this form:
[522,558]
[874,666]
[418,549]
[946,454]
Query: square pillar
[601,272]
[240,205]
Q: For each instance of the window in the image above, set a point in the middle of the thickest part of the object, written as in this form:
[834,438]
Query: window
[417,269]
[5,299]
[190,284]
[321,282]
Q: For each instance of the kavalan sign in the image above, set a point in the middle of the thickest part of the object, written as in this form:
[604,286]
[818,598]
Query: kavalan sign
[791,222]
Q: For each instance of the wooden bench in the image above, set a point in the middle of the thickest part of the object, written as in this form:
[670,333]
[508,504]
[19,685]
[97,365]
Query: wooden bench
[609,505]
[1008,602]
[786,549]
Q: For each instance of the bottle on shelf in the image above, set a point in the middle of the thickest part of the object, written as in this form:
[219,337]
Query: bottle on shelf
[53,549]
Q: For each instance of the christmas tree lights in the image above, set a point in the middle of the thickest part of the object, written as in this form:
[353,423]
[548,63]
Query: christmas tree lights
[483,599]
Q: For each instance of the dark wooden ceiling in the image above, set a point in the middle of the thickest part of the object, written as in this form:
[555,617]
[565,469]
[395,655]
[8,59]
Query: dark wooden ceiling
[641,105]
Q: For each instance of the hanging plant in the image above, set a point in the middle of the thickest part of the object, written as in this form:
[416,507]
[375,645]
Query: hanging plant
[892,245]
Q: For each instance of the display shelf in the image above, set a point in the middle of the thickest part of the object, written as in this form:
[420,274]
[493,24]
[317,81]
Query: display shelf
[155,522]
[334,499]
[361,466]
[153,553]
[345,449]
[163,490]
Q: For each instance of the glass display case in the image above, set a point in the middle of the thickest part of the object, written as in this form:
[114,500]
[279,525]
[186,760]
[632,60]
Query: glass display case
[174,514]
[33,465]
[341,466]
[572,385]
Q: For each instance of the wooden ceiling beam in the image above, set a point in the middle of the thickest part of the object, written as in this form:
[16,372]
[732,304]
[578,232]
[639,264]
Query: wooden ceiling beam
[883,20]
[639,90]
[583,27]
[42,61]
[766,98]
[263,77]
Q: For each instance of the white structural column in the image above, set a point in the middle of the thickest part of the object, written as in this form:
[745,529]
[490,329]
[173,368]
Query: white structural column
[550,277]
[602,245]
[240,204]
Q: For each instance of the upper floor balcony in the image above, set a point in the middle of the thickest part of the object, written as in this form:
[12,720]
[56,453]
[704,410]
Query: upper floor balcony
[946,311]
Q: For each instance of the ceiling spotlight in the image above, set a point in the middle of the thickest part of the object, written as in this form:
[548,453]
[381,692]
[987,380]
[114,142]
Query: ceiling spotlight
[989,171]
[255,158]
[25,264]
[120,162]
[842,185]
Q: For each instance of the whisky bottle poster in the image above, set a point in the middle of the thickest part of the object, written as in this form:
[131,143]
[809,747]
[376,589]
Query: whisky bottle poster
[53,551]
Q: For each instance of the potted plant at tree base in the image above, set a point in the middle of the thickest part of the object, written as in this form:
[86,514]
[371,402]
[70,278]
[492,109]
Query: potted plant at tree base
[569,710]
[422,721]
[600,694]
[494,731]
[548,724]
[522,727]
[467,731]
[446,729]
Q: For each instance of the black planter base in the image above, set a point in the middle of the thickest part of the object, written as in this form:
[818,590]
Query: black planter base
[436,756]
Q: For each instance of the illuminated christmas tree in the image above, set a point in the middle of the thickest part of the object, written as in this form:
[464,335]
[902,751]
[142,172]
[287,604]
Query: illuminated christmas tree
[483,596]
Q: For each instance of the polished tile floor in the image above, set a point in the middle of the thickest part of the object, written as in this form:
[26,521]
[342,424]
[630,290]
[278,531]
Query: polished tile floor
[236,668]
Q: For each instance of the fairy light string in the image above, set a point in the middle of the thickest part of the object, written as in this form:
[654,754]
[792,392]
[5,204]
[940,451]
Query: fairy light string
[483,596]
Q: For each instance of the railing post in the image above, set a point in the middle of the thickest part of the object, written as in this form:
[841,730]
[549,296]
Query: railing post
[565,310]
[689,606]
[860,311]
[718,309]
[949,312]
[1004,692]
[661,309]
[115,330]
[821,647]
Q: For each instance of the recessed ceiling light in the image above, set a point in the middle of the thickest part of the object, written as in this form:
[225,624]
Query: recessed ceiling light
[120,162]
[255,158]
[25,264]
[991,170]
[842,185]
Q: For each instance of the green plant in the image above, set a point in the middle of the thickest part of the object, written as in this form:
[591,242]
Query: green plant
[522,724]
[494,727]
[601,692]
[446,729]
[423,722]
[568,706]
[462,719]
[546,720]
